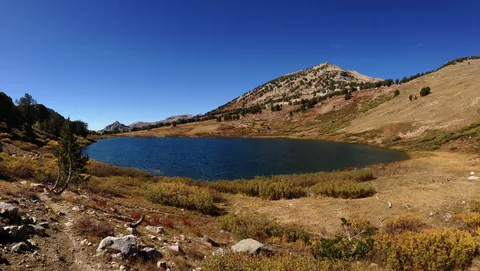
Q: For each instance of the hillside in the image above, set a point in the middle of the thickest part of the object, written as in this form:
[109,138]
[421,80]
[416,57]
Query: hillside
[305,84]
[453,103]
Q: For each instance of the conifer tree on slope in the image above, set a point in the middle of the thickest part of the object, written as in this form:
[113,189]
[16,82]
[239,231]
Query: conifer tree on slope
[71,163]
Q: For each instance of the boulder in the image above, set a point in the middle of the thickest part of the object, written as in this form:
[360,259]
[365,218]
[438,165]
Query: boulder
[44,224]
[473,178]
[15,233]
[126,245]
[29,220]
[21,247]
[247,245]
[149,254]
[36,229]
[155,229]
[8,210]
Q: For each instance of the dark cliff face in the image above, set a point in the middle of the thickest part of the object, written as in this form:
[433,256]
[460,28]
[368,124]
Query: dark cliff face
[116,127]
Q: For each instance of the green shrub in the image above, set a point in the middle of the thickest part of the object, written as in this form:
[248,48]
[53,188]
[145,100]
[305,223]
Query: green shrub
[432,249]
[344,189]
[184,196]
[424,91]
[355,243]
[260,228]
[396,93]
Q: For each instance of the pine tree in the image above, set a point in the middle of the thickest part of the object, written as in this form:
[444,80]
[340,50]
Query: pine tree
[71,163]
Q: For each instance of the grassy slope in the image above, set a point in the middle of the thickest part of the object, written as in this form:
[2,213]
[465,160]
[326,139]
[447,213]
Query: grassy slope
[453,103]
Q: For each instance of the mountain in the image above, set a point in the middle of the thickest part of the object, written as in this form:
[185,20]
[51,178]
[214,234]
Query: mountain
[170,119]
[115,127]
[320,80]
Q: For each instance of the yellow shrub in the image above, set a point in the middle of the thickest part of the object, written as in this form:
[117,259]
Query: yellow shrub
[184,196]
[469,220]
[105,170]
[6,140]
[432,249]
[261,228]
[5,135]
[26,146]
[344,189]
[246,262]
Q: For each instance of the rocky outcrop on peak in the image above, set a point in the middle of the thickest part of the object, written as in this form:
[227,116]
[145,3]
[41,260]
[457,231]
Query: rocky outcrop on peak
[115,127]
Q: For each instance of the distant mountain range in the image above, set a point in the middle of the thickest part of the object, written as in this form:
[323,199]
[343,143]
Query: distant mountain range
[118,127]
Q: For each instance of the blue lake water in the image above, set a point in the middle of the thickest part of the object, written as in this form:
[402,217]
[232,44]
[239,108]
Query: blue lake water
[235,158]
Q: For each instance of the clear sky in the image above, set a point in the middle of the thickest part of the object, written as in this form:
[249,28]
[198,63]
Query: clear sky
[105,60]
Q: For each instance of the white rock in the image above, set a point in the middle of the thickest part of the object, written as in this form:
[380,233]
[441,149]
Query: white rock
[472,173]
[76,209]
[155,229]
[472,178]
[247,245]
[127,245]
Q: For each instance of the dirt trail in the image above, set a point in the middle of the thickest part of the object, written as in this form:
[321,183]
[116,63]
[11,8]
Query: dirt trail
[77,256]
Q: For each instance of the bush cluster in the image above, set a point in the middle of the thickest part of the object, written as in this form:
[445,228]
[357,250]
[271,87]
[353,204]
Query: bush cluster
[245,262]
[105,170]
[355,243]
[432,249]
[425,91]
[184,196]
[344,189]
[261,228]
[403,223]
[286,186]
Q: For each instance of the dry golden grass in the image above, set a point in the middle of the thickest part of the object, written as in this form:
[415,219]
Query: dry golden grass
[434,183]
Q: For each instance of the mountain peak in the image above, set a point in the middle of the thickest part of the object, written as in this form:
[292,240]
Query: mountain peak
[319,80]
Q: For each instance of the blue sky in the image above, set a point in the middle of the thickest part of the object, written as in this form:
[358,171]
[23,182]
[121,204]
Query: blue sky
[102,61]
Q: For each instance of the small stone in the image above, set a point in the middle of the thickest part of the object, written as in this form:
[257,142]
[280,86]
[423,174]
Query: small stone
[218,252]
[36,229]
[131,230]
[123,268]
[37,185]
[175,247]
[21,247]
[473,178]
[68,224]
[162,264]
[150,254]
[76,209]
[84,242]
[155,229]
